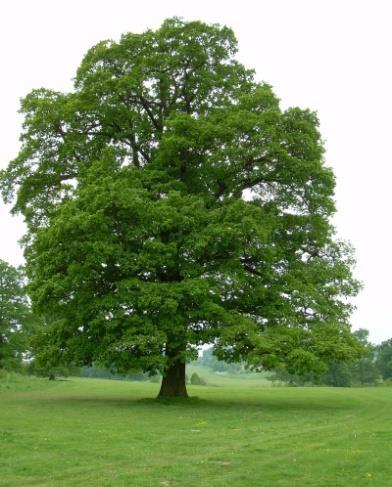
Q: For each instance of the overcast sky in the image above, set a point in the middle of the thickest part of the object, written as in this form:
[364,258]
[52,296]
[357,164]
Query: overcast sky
[331,56]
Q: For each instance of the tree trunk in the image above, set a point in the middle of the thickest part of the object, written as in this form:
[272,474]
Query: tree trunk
[173,381]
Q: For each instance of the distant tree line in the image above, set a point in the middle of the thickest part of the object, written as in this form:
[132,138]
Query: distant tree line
[103,373]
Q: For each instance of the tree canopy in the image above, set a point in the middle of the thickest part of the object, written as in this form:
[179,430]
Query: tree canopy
[171,202]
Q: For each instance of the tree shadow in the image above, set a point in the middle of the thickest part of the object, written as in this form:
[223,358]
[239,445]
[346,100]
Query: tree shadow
[276,404]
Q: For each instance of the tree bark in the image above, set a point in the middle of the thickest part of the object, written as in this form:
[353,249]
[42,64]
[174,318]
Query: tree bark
[173,381]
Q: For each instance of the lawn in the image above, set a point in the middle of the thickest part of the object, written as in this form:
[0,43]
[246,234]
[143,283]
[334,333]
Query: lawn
[88,432]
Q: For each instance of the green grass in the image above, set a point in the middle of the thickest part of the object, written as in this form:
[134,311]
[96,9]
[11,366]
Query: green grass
[87,432]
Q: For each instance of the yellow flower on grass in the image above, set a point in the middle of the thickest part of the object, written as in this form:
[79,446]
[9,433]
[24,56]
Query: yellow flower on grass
[201,423]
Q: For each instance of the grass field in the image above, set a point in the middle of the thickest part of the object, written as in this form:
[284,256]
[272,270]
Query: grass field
[88,432]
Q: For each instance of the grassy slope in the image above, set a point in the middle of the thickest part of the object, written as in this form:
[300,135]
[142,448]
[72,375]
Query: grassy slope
[86,432]
[217,379]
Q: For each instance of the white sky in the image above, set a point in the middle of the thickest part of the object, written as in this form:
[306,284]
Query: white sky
[330,56]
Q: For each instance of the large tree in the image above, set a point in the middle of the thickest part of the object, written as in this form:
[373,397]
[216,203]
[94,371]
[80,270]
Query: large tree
[15,316]
[171,202]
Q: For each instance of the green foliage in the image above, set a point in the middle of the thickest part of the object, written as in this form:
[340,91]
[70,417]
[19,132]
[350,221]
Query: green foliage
[362,371]
[16,319]
[384,359]
[196,380]
[142,244]
[339,374]
[365,370]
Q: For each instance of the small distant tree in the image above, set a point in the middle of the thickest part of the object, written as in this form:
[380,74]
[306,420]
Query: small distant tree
[15,316]
[365,370]
[339,374]
[196,380]
[172,202]
[384,359]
